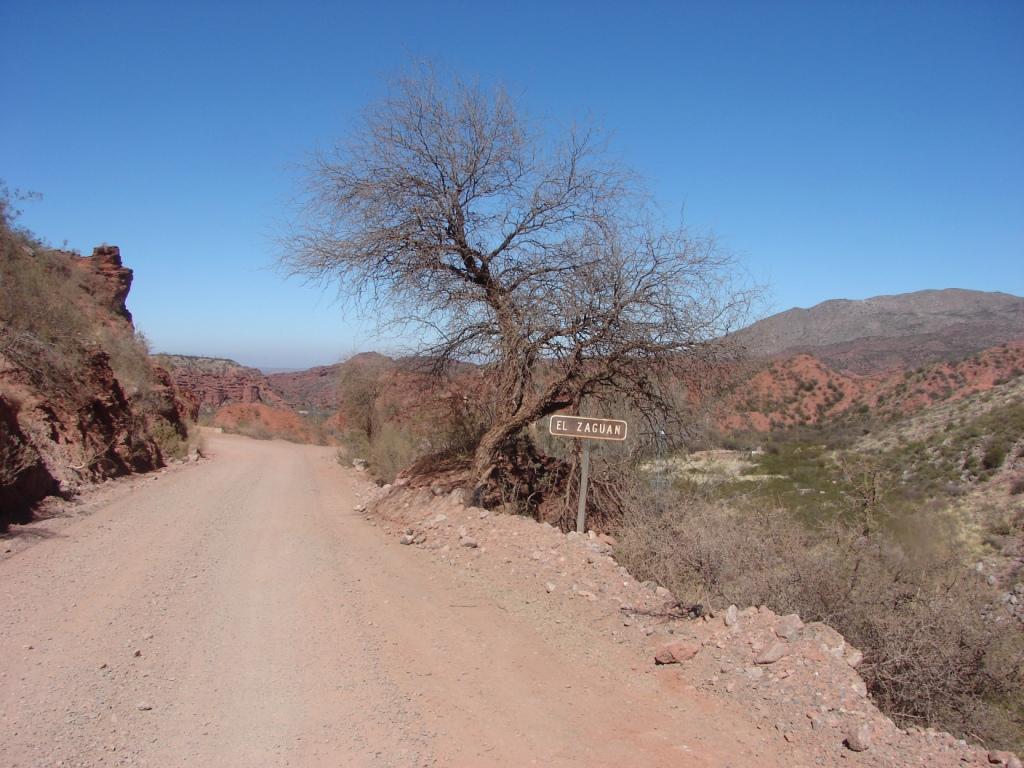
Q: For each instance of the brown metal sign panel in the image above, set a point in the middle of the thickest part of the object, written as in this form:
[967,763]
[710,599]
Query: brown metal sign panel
[587,428]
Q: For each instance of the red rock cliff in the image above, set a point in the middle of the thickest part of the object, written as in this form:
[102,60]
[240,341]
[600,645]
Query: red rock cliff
[74,410]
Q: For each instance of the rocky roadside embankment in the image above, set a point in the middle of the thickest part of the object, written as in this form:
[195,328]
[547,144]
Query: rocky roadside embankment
[798,681]
[86,409]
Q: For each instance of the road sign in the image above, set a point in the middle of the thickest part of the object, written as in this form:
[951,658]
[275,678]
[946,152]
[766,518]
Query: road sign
[586,429]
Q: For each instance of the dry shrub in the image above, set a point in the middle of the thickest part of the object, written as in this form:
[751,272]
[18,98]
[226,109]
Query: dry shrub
[938,650]
[172,443]
[248,426]
[394,445]
[443,425]
[391,449]
[129,359]
[558,486]
[1017,487]
[388,449]
[255,430]
[263,422]
[169,440]
[42,329]
[46,322]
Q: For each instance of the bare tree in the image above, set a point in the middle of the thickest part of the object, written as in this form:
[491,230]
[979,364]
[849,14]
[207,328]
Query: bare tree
[540,259]
[869,485]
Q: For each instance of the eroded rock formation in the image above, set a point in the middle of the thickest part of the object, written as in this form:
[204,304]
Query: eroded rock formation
[214,382]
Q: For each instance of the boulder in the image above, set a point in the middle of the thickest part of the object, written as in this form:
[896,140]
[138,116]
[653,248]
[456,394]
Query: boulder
[1007,759]
[858,738]
[772,653]
[675,653]
[789,627]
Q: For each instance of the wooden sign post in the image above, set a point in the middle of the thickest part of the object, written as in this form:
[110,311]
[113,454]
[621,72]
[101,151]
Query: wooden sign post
[586,429]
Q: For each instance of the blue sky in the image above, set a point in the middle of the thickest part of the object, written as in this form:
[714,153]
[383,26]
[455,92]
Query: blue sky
[839,149]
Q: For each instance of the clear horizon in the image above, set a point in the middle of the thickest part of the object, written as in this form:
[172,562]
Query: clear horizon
[269,369]
[839,150]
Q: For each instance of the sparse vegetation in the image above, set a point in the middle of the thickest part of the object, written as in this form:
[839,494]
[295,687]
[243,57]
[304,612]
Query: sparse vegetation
[390,433]
[172,444]
[392,449]
[42,328]
[78,371]
[261,422]
[45,325]
[859,521]
[868,535]
[938,649]
[129,359]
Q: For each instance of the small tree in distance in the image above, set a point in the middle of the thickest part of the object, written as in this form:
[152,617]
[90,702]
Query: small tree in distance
[538,258]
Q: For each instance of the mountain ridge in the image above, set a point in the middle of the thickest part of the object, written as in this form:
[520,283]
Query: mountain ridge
[890,330]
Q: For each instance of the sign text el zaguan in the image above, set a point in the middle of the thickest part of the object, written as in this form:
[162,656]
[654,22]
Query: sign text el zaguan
[588,428]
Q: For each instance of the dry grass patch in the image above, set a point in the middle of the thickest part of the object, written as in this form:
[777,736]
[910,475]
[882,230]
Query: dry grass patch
[938,649]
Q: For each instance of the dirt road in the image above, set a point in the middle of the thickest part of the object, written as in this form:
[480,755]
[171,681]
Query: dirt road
[238,613]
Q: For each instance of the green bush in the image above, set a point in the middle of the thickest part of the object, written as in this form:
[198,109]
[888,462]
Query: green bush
[994,455]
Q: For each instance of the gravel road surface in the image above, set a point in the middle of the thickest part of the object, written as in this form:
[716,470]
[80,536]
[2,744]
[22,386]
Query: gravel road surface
[237,612]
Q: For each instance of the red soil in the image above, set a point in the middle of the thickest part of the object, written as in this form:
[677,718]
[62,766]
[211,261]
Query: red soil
[804,390]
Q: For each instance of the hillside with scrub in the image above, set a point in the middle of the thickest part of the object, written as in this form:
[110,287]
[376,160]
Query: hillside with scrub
[80,400]
[900,527]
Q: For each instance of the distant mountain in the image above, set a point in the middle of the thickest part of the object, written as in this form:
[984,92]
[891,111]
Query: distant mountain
[891,332]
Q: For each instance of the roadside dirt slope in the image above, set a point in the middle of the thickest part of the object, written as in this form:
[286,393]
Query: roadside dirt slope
[237,612]
[797,683]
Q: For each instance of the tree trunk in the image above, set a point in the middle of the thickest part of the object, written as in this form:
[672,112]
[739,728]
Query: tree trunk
[514,415]
[485,458]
